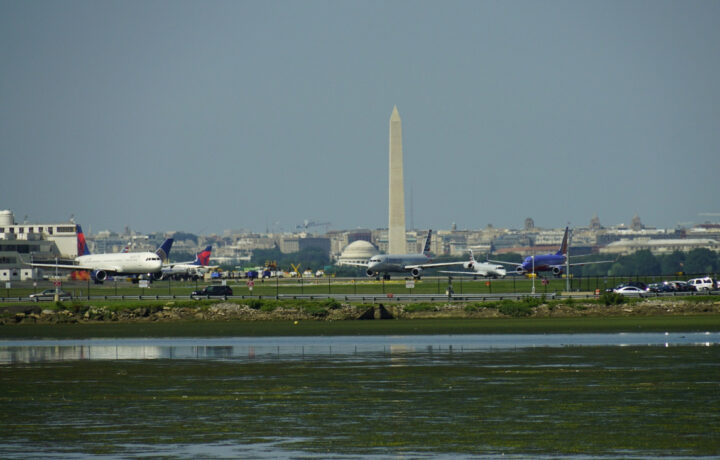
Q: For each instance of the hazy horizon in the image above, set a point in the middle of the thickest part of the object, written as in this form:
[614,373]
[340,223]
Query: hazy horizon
[210,116]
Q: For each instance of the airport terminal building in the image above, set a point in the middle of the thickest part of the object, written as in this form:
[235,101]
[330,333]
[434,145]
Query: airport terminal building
[23,243]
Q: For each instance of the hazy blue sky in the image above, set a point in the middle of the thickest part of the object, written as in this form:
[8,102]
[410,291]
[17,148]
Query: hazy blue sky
[210,115]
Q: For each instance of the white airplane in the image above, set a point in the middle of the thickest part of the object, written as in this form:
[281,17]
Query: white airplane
[121,263]
[485,269]
[191,269]
[401,263]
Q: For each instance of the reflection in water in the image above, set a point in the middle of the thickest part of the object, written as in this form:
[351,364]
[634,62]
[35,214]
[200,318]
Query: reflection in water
[342,347]
[502,396]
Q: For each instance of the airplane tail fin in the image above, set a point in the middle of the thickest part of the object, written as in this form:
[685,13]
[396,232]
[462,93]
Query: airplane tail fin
[426,249]
[164,250]
[82,247]
[564,245]
[203,258]
[472,256]
[126,248]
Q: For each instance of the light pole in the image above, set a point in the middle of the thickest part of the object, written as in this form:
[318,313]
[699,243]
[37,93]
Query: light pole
[56,297]
[567,264]
[533,274]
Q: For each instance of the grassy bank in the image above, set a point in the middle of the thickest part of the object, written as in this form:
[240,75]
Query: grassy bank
[694,323]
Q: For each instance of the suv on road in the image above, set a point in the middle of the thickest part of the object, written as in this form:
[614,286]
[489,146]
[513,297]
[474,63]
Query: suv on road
[213,291]
[702,284]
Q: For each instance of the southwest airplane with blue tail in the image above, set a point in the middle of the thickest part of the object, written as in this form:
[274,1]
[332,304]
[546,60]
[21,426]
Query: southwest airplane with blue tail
[121,263]
[556,262]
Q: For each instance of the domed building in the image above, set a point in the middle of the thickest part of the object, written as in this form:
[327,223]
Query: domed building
[357,252]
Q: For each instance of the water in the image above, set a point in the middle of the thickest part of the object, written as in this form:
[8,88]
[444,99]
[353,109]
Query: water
[510,396]
[289,348]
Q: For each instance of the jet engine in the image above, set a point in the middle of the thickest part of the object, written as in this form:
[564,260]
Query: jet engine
[519,270]
[369,272]
[468,265]
[556,271]
[416,272]
[156,276]
[100,275]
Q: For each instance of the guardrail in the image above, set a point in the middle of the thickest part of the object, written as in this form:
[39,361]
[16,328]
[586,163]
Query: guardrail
[376,298]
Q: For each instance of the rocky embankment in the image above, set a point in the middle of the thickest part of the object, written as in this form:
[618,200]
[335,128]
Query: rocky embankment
[224,311]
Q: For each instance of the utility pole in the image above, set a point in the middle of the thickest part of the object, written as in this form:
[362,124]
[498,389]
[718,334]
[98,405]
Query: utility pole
[567,264]
[56,297]
[533,274]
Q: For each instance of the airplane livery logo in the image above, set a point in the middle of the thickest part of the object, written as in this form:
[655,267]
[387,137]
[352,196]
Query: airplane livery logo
[204,256]
[82,248]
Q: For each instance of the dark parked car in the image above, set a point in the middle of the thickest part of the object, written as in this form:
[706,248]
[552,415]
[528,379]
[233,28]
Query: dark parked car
[680,286]
[659,287]
[213,291]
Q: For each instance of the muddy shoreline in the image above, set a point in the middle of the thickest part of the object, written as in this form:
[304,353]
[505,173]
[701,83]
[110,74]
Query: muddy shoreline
[231,311]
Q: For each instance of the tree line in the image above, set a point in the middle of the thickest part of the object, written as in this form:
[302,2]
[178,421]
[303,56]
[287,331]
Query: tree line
[699,261]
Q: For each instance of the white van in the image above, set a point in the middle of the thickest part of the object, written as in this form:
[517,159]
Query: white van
[702,284]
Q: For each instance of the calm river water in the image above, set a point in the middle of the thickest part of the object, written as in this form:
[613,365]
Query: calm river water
[467,396]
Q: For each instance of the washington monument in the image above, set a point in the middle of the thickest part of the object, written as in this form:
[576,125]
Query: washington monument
[396,226]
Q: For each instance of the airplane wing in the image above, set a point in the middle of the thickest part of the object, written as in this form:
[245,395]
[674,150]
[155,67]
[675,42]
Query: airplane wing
[63,266]
[504,262]
[593,262]
[76,267]
[461,273]
[439,264]
[356,264]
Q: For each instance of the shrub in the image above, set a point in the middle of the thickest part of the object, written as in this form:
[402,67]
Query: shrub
[612,298]
[268,306]
[516,309]
[332,304]
[255,304]
[315,309]
[416,307]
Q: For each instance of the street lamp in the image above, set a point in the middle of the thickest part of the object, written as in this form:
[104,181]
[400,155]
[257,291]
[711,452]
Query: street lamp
[533,274]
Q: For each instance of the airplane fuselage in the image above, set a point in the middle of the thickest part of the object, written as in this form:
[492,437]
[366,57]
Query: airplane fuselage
[122,263]
[487,269]
[395,263]
[545,262]
[182,269]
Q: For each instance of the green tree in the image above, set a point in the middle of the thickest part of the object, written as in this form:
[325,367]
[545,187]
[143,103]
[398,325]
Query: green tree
[646,263]
[600,269]
[619,268]
[638,263]
[513,257]
[701,261]
[672,263]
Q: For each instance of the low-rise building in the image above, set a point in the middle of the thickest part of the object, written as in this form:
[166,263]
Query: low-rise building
[659,246]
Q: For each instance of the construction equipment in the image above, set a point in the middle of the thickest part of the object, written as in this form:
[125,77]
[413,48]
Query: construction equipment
[311,223]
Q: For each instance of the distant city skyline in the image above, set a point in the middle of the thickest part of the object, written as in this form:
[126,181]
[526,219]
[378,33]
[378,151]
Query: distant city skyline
[321,229]
[205,117]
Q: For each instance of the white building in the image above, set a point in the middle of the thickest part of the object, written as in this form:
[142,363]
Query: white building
[659,246]
[23,243]
[357,252]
